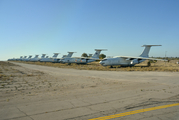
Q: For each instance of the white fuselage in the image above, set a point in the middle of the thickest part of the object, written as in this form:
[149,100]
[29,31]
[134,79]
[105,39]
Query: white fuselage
[27,59]
[35,59]
[84,60]
[120,61]
[49,60]
[77,60]
[68,60]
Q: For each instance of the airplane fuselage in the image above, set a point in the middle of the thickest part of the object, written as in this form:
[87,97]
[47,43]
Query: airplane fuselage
[120,61]
[84,60]
[49,60]
[35,59]
[67,60]
[77,60]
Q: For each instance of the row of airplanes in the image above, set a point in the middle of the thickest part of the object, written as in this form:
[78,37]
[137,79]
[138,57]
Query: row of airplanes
[118,60]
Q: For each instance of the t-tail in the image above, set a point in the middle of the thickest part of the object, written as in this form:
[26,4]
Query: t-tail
[97,53]
[43,56]
[55,55]
[70,54]
[145,53]
[36,56]
[29,56]
[64,56]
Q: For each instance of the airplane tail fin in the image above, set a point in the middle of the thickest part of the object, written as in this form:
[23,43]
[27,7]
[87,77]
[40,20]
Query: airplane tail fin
[25,56]
[70,54]
[43,55]
[145,53]
[97,53]
[55,55]
[36,56]
[29,56]
[64,56]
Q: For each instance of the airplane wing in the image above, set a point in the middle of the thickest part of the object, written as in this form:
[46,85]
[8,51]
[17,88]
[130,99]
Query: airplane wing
[131,58]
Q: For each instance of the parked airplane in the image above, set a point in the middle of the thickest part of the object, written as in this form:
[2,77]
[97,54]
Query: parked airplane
[35,59]
[128,60]
[19,59]
[82,60]
[23,58]
[10,59]
[85,60]
[27,59]
[67,58]
[52,59]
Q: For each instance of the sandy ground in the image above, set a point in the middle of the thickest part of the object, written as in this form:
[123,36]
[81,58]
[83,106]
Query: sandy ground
[32,92]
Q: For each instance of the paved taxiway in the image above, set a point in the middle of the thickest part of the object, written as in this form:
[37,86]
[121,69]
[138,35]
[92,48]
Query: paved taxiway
[93,94]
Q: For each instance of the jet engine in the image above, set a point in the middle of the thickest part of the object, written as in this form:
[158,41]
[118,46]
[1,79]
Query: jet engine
[135,61]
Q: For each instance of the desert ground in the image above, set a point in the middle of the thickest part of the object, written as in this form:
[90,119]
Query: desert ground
[37,92]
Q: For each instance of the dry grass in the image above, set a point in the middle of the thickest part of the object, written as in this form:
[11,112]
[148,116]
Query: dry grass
[158,66]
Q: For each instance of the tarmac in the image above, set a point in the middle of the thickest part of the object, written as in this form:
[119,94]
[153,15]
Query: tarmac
[87,94]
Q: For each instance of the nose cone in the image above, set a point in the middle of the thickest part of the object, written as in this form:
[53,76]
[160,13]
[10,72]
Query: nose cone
[61,60]
[101,62]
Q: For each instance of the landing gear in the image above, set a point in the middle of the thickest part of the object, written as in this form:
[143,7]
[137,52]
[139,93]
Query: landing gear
[111,66]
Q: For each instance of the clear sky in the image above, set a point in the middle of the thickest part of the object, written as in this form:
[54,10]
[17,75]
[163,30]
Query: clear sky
[29,27]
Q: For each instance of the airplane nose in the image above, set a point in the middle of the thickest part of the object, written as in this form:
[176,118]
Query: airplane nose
[61,61]
[101,62]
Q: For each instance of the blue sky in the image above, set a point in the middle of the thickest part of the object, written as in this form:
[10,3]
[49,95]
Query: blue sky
[29,27]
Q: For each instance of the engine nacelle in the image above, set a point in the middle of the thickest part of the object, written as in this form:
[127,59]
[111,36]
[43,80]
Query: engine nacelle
[135,61]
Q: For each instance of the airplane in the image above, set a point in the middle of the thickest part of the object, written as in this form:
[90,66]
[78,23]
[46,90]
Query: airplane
[23,58]
[52,59]
[85,60]
[67,58]
[15,59]
[82,60]
[10,59]
[27,59]
[126,61]
[35,59]
[19,59]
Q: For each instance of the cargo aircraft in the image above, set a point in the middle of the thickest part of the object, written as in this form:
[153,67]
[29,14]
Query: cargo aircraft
[85,60]
[19,59]
[67,58]
[52,59]
[27,59]
[82,60]
[36,58]
[125,61]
